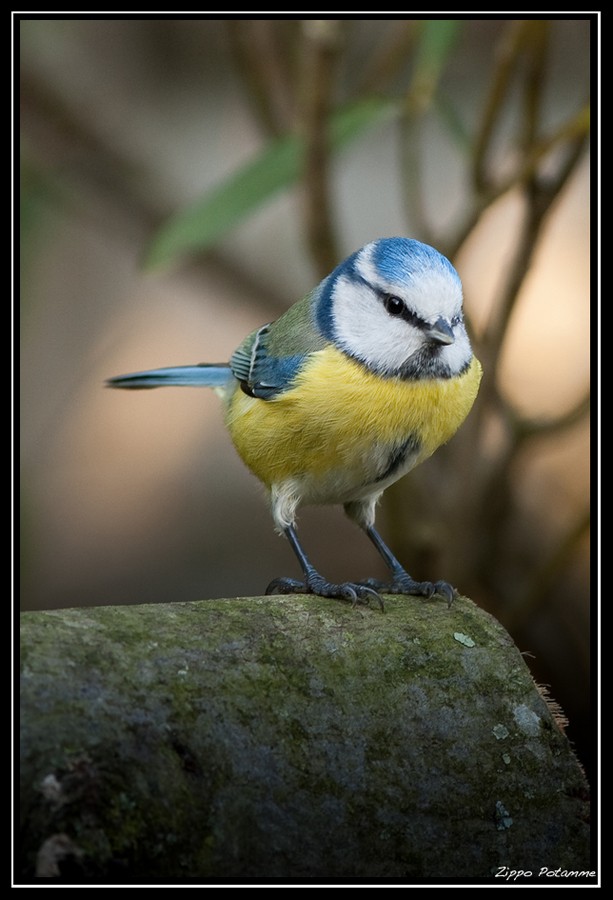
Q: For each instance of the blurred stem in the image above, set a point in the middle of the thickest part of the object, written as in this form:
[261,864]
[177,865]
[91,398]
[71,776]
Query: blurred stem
[544,579]
[491,486]
[509,51]
[569,136]
[537,44]
[494,484]
[527,39]
[435,41]
[522,38]
[259,58]
[320,55]
[528,428]
[492,481]
[539,194]
[539,190]
[389,60]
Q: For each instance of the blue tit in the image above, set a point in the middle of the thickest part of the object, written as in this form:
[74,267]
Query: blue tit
[345,393]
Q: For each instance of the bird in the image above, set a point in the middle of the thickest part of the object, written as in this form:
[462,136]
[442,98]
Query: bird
[348,390]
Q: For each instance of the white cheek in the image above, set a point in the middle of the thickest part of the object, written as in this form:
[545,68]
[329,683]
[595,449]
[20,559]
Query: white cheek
[458,354]
[365,330]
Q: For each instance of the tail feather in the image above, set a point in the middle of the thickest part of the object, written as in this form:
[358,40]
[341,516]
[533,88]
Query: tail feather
[203,375]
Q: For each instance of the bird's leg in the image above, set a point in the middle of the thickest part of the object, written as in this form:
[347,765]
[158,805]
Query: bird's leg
[402,583]
[314,583]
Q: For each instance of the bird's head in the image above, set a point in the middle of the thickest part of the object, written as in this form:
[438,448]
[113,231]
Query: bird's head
[396,305]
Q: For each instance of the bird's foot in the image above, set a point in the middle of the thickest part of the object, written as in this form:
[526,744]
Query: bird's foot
[404,584]
[350,591]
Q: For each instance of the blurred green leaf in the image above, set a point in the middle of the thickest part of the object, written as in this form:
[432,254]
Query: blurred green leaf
[436,40]
[277,167]
[34,193]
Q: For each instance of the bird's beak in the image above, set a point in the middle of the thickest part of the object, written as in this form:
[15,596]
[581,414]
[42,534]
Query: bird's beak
[440,332]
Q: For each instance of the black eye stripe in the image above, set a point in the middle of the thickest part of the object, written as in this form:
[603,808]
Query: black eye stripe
[397,308]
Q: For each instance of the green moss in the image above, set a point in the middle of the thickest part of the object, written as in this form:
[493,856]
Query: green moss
[278,736]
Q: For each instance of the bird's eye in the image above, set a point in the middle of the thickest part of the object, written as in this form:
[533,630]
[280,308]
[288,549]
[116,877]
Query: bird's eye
[393,305]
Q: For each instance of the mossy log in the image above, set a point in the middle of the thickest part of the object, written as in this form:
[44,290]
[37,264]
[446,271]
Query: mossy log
[289,738]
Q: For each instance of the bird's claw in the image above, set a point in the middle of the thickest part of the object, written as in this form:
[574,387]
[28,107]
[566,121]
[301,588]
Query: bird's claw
[356,592]
[445,590]
[406,585]
[285,586]
[352,592]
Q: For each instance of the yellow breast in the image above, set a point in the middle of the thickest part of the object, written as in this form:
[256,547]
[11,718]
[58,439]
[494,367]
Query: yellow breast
[340,417]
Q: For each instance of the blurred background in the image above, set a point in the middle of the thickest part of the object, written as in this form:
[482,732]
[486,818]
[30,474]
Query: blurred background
[184,181]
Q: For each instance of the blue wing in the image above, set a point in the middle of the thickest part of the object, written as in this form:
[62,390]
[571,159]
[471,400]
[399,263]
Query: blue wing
[267,362]
[259,373]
